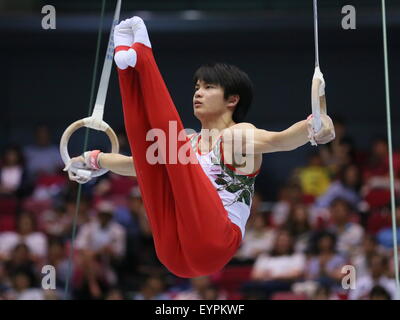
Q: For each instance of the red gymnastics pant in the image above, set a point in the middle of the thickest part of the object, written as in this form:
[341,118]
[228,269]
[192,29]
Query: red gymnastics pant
[192,233]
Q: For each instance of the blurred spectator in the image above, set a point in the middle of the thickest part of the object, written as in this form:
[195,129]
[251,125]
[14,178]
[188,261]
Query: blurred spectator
[299,226]
[140,259]
[376,174]
[57,221]
[123,142]
[322,293]
[213,293]
[359,259]
[347,187]
[115,294]
[113,187]
[26,233]
[152,289]
[391,272]
[378,163]
[141,255]
[21,261]
[276,271]
[101,244]
[385,236]
[201,289]
[13,180]
[340,152]
[289,195]
[325,265]
[349,234]
[50,294]
[23,289]
[42,156]
[341,134]
[257,204]
[377,276]
[5,283]
[258,238]
[314,178]
[58,259]
[379,293]
[132,216]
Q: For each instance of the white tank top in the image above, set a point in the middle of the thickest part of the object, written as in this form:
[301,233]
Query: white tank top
[236,190]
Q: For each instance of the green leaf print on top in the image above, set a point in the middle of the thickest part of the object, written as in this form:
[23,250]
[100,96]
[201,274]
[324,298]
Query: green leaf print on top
[227,180]
[240,185]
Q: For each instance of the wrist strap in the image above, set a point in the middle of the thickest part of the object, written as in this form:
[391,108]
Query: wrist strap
[92,159]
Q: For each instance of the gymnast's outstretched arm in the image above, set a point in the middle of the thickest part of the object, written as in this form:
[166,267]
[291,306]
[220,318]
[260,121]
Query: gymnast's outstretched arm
[117,163]
[263,141]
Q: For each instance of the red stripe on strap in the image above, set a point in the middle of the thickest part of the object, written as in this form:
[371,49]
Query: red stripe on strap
[93,159]
[122,48]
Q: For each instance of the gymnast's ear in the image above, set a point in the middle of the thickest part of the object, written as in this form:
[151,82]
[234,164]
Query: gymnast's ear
[233,100]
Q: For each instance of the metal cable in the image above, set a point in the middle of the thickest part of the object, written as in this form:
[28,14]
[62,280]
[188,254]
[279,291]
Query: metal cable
[78,200]
[389,133]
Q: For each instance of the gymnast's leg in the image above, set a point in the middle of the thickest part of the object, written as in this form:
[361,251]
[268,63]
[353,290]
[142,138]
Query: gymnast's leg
[207,237]
[153,179]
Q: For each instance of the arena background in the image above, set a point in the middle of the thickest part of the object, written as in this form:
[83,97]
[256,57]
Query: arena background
[46,74]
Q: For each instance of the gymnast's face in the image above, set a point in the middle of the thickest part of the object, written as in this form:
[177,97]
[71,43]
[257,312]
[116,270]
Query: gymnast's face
[209,101]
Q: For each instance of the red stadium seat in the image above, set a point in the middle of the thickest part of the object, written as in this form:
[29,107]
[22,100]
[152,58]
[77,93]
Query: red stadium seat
[8,210]
[377,198]
[37,206]
[378,220]
[231,278]
[49,180]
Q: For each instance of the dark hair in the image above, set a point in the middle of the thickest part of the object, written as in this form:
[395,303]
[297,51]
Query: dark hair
[379,138]
[232,80]
[294,228]
[31,216]
[340,200]
[274,251]
[379,291]
[17,149]
[20,246]
[384,261]
[342,176]
[338,119]
[315,239]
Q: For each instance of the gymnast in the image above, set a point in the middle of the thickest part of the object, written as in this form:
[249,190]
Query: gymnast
[197,206]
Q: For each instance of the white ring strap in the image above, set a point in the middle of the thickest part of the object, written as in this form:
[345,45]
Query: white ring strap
[95,121]
[318,103]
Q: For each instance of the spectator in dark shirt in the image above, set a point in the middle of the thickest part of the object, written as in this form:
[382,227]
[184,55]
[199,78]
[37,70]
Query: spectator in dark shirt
[43,157]
[326,264]
[13,180]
